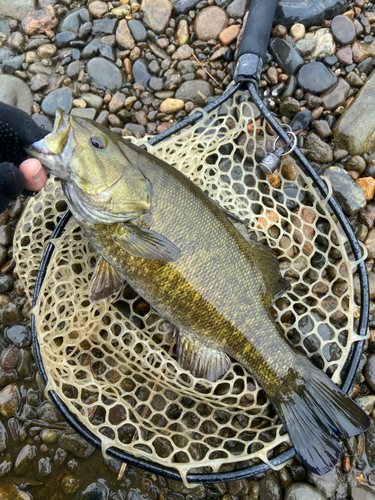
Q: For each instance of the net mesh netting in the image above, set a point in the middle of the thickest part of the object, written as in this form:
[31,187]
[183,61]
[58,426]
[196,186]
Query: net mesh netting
[113,363]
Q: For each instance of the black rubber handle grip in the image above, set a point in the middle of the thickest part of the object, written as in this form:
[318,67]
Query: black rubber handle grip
[258,28]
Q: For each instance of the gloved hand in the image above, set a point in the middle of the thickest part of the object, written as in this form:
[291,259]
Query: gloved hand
[17,129]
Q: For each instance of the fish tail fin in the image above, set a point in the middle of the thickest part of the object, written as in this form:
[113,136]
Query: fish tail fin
[316,413]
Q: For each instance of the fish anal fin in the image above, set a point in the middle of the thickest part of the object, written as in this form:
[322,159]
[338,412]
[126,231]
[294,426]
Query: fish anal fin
[270,268]
[142,242]
[201,360]
[105,281]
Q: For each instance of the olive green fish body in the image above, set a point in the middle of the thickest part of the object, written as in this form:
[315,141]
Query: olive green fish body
[178,249]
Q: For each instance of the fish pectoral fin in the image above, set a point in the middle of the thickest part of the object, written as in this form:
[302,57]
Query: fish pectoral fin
[201,360]
[142,242]
[105,281]
[270,268]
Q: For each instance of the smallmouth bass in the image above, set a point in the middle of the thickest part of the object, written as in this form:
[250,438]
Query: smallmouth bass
[157,230]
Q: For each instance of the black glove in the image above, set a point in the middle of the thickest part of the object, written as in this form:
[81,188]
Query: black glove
[17,129]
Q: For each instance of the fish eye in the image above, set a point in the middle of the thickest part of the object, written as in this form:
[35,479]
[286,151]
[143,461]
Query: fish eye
[98,142]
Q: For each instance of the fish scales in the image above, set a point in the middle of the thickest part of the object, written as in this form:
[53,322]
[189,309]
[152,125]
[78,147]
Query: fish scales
[178,249]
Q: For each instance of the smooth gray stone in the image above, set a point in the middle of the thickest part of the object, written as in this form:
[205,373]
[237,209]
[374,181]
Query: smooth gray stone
[189,91]
[91,49]
[105,73]
[140,72]
[137,30]
[15,92]
[347,192]
[84,113]
[285,55]
[355,129]
[103,27]
[316,78]
[60,98]
[308,12]
[73,21]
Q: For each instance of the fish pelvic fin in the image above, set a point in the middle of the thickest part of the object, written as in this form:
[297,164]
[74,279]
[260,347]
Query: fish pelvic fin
[201,360]
[105,281]
[316,412]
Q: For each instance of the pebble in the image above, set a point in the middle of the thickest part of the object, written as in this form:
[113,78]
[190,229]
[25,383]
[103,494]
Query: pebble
[309,13]
[6,282]
[345,55]
[230,34]
[103,27]
[60,98]
[91,49]
[182,33]
[97,9]
[40,21]
[106,51]
[105,73]
[322,128]
[75,444]
[324,44]
[237,8]
[289,107]
[343,30]
[337,95]
[137,30]
[316,78]
[285,56]
[270,488]
[347,192]
[362,492]
[44,467]
[19,335]
[318,150]
[43,122]
[170,106]
[17,41]
[360,138]
[297,491]
[96,491]
[11,491]
[156,14]
[24,457]
[209,23]
[49,413]
[140,72]
[15,92]
[184,6]
[297,31]
[70,484]
[189,91]
[3,438]
[305,47]
[124,37]
[93,101]
[369,371]
[39,82]
[46,51]
[353,79]
[9,401]
[73,21]
[368,186]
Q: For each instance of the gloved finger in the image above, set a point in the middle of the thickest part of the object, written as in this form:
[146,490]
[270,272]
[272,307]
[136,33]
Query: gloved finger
[35,176]
[12,181]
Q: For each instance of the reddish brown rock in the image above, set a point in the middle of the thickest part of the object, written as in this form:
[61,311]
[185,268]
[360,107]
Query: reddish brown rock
[345,55]
[367,215]
[368,186]
[273,75]
[40,21]
[230,34]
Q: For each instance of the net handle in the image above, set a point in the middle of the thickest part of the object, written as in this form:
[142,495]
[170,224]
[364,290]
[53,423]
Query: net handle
[254,43]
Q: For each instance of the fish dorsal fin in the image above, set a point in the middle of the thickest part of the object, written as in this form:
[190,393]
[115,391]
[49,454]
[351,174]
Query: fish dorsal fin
[270,269]
[142,242]
[105,281]
[202,361]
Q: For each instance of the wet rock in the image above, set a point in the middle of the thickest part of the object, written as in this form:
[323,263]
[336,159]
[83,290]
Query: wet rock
[289,107]
[97,8]
[40,21]
[15,92]
[39,82]
[182,53]
[44,467]
[137,30]
[49,436]
[345,55]
[350,196]
[70,484]
[3,438]
[11,314]
[337,95]
[318,150]
[19,335]
[75,444]
[183,6]
[270,488]
[6,282]
[368,186]
[305,47]
[25,456]
[209,23]
[60,98]
[123,36]
[324,44]
[49,413]
[285,55]
[367,215]
[140,72]
[355,129]
[323,129]
[103,27]
[369,371]
[9,401]
[353,79]
[297,31]
[105,73]
[9,359]
[182,33]
[309,13]
[366,403]
[156,14]
[17,41]
[97,491]
[170,106]
[10,491]
[91,49]
[189,91]
[343,30]
[297,491]
[73,21]
[178,487]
